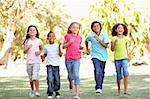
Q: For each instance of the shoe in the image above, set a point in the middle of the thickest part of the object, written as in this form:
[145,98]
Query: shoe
[127,94]
[50,96]
[98,91]
[37,94]
[31,94]
[57,95]
[76,97]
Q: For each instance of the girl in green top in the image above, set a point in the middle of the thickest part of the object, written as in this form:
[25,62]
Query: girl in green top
[119,46]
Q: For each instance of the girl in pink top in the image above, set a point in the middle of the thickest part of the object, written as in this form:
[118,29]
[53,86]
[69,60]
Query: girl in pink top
[72,58]
[32,47]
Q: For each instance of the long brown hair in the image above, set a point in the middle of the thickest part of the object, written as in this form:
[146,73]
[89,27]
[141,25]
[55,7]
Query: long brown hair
[114,33]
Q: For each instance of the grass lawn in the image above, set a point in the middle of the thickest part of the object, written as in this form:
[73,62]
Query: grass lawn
[17,88]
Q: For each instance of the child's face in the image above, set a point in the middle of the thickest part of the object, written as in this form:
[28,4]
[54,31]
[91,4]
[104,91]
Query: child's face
[51,37]
[75,28]
[32,31]
[96,28]
[120,29]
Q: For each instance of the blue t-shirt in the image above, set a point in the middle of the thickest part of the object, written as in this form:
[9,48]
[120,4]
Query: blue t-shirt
[98,51]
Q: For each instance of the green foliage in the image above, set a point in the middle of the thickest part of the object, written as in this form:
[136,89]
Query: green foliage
[110,12]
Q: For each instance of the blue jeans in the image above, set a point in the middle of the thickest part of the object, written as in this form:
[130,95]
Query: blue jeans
[99,71]
[53,78]
[73,70]
[121,68]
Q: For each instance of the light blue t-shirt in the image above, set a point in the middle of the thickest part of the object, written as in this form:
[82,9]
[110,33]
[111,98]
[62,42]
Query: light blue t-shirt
[98,51]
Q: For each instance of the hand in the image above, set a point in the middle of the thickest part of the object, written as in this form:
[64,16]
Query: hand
[87,52]
[42,58]
[71,40]
[37,53]
[29,46]
[96,37]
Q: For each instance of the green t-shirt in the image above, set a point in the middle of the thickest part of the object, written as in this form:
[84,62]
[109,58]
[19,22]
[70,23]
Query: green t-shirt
[120,51]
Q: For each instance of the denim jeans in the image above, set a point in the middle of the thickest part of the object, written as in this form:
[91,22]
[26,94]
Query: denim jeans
[73,70]
[99,71]
[53,78]
[121,68]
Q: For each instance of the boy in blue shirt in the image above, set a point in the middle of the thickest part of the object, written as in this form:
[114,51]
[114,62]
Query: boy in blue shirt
[99,44]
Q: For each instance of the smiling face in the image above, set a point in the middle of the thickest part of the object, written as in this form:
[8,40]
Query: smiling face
[96,27]
[32,32]
[74,28]
[51,38]
[120,30]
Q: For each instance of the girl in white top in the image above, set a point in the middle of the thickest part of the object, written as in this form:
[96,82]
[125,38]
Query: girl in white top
[33,47]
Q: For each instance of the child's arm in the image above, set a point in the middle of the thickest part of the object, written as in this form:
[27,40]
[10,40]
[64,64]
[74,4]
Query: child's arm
[66,44]
[101,42]
[60,52]
[26,48]
[113,45]
[87,47]
[43,57]
[37,53]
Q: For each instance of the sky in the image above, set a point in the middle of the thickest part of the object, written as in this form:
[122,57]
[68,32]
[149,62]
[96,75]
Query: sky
[79,8]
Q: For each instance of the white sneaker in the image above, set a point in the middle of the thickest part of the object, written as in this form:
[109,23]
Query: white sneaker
[50,97]
[76,97]
[99,91]
[37,94]
[31,94]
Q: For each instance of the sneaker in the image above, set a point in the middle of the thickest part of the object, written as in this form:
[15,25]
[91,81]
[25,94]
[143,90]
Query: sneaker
[57,95]
[31,94]
[76,97]
[50,96]
[37,94]
[98,91]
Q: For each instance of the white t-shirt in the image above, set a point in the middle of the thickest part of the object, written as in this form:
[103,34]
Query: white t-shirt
[31,57]
[52,52]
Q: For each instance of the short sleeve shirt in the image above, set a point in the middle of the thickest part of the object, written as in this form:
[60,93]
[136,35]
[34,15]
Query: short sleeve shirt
[73,50]
[120,51]
[97,50]
[52,52]
[31,57]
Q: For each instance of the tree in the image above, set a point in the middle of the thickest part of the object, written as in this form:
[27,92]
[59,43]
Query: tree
[110,12]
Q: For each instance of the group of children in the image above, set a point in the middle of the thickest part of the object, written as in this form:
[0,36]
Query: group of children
[72,43]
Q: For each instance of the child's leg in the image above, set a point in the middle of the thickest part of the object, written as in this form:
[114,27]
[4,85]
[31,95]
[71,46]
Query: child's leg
[56,78]
[31,84]
[77,89]
[119,89]
[69,67]
[125,73]
[119,75]
[35,76]
[76,66]
[125,84]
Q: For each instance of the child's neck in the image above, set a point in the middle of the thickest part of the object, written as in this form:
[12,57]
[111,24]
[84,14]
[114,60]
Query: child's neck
[74,34]
[51,42]
[32,37]
[98,33]
[119,35]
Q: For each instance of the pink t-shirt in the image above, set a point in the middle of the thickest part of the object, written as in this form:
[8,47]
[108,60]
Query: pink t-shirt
[73,51]
[31,57]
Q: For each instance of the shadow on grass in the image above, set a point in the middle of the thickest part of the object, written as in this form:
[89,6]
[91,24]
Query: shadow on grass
[18,88]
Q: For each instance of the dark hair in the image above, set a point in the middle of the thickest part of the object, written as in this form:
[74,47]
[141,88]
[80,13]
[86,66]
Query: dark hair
[114,33]
[69,32]
[28,36]
[49,33]
[92,24]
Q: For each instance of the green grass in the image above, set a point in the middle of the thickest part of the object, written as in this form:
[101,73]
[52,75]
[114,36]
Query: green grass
[18,87]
